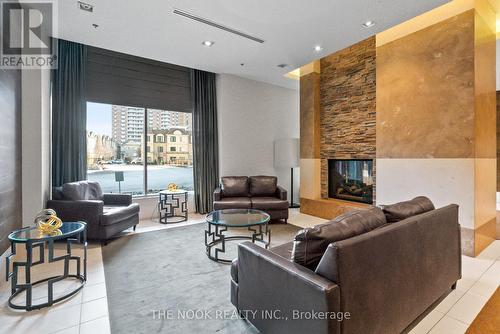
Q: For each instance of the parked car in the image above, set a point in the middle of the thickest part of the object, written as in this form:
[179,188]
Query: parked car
[136,161]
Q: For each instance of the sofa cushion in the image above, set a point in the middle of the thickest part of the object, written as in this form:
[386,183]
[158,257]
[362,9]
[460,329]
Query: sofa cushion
[82,190]
[268,203]
[233,203]
[234,186]
[263,185]
[284,250]
[310,243]
[403,210]
[57,194]
[116,214]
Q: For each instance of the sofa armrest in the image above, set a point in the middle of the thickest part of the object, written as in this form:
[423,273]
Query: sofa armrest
[217,194]
[281,193]
[117,199]
[269,282]
[87,211]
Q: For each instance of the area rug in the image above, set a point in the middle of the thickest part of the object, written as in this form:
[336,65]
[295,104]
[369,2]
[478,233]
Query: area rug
[162,282]
[488,319]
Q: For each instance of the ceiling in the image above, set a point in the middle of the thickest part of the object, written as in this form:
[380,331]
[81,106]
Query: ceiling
[290,28]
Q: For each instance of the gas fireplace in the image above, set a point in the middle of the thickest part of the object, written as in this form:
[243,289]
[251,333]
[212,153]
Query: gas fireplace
[351,180]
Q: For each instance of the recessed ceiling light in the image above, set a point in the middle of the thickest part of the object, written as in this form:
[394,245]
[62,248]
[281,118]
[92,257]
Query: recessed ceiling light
[368,24]
[208,43]
[318,48]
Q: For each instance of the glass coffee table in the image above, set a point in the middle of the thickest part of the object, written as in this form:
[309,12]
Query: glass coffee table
[255,221]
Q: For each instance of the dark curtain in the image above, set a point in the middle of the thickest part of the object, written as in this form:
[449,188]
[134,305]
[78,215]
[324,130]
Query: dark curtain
[205,139]
[69,114]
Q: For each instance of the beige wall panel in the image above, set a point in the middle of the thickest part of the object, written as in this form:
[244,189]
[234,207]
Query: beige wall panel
[485,125]
[444,181]
[310,116]
[498,140]
[485,191]
[485,80]
[425,20]
[310,178]
[425,92]
[484,236]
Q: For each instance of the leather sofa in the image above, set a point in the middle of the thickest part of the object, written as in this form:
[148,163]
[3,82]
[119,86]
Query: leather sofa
[387,268]
[105,214]
[254,192]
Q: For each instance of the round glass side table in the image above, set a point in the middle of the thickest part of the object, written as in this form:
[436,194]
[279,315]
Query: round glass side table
[32,238]
[172,206]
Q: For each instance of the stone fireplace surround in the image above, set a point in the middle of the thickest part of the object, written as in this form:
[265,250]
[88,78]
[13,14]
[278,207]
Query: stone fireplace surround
[348,107]
[369,101]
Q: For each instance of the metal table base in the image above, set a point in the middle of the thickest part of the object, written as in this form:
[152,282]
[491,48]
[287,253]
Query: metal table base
[18,288]
[214,236]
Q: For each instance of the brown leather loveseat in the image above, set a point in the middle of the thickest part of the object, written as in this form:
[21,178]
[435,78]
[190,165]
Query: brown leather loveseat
[254,192]
[368,271]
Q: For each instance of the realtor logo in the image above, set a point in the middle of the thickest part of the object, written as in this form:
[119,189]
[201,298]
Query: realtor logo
[27,30]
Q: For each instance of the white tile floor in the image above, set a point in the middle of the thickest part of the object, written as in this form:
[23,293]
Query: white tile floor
[480,278]
[87,312]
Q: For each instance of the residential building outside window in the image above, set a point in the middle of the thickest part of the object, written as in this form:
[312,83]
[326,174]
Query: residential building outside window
[115,142]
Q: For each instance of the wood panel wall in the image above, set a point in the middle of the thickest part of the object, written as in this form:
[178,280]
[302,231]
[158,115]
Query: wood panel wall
[10,154]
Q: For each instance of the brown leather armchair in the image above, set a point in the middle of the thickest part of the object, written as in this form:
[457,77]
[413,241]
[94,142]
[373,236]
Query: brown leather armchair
[254,192]
[105,214]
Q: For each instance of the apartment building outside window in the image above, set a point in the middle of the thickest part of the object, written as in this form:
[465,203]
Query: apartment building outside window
[115,142]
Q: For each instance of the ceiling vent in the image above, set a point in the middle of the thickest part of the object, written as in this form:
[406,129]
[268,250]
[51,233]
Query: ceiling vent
[216,25]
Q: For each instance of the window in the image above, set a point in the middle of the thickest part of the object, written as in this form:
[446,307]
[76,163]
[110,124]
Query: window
[115,142]
[111,148]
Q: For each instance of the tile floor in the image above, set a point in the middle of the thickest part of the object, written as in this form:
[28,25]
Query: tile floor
[87,312]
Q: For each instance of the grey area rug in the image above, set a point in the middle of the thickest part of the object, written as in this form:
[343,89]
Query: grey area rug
[168,271]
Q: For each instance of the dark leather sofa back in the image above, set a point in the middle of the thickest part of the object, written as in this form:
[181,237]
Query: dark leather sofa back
[234,186]
[310,243]
[406,209]
[81,191]
[263,185]
[391,275]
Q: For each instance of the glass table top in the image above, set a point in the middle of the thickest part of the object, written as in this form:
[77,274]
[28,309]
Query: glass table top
[32,233]
[170,192]
[238,217]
